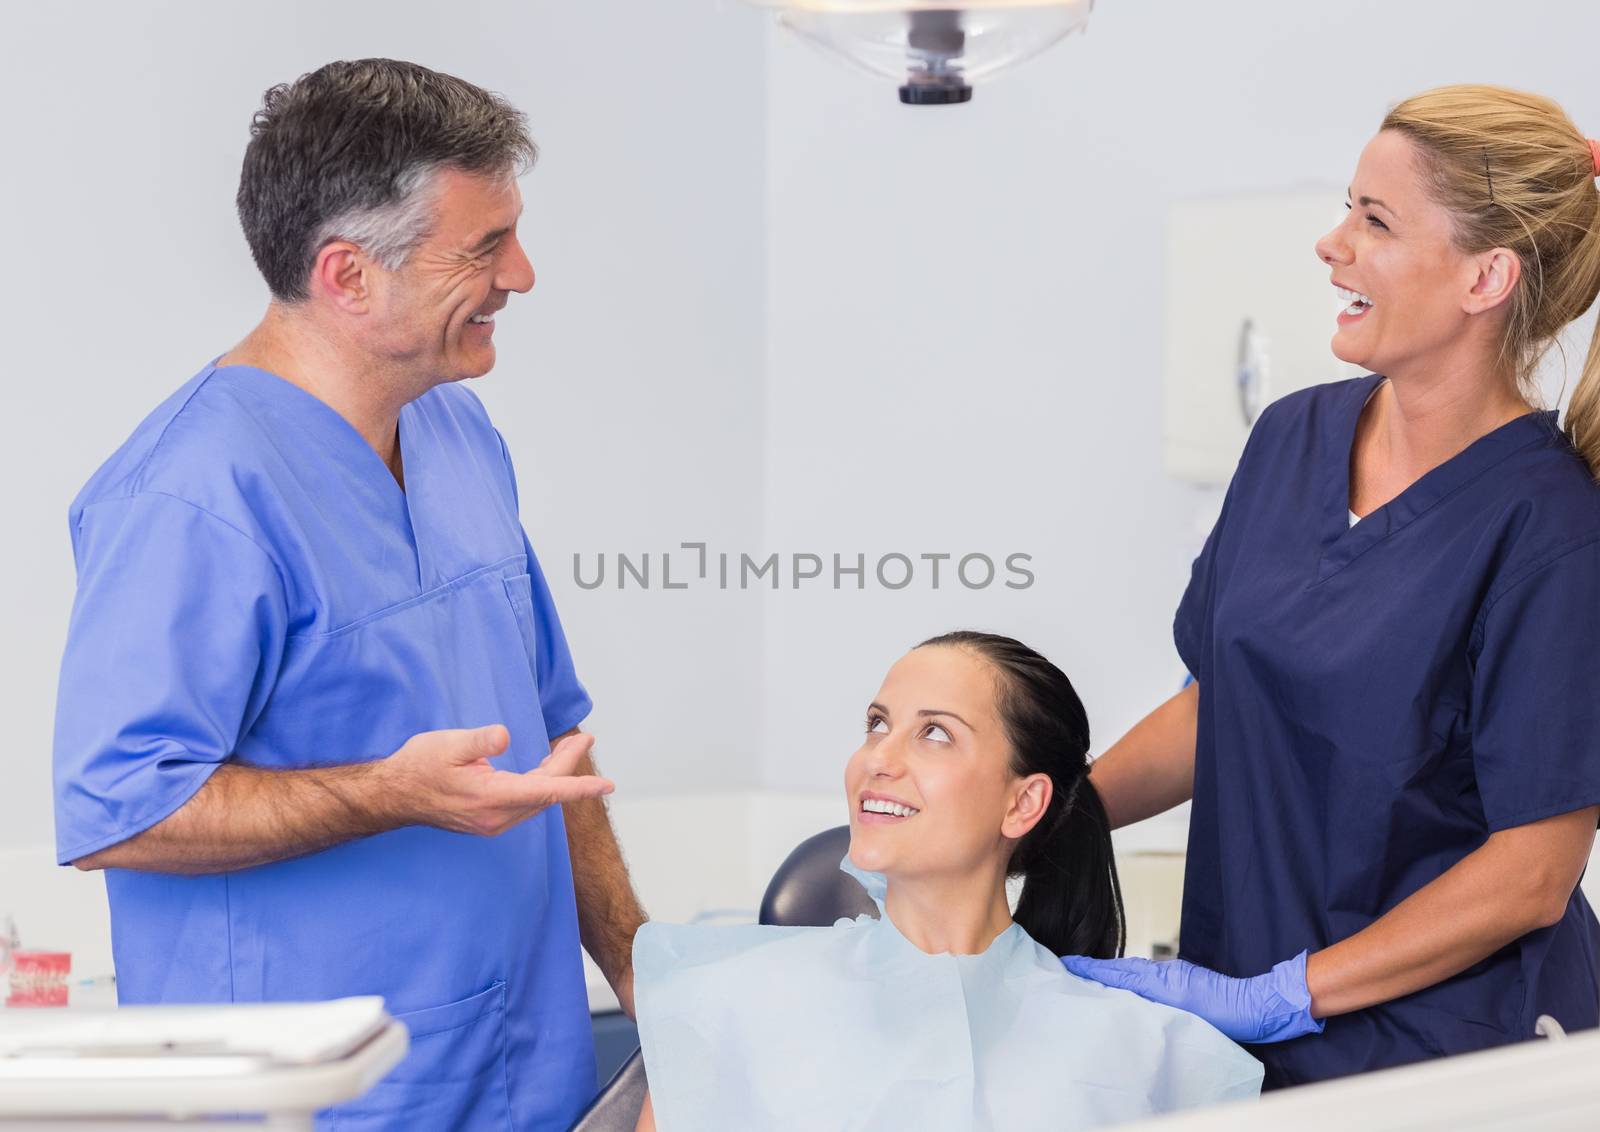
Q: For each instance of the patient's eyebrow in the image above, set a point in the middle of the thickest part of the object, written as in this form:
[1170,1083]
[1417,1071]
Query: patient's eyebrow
[877,707]
[951,714]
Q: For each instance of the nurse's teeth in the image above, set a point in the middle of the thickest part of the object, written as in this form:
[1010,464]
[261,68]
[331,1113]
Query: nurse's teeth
[877,806]
[1352,297]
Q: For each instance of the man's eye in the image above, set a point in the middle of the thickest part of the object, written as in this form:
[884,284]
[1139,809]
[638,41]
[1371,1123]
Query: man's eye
[876,723]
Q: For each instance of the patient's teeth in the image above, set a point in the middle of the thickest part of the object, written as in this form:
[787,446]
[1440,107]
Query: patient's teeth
[893,809]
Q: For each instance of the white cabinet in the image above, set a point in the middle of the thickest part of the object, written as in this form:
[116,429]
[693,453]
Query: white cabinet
[1249,315]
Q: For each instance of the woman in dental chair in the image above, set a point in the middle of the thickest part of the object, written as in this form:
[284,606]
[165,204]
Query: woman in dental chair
[949,1012]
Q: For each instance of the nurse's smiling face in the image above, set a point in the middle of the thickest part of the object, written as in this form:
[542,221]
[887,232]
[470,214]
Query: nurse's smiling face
[434,315]
[937,758]
[1395,250]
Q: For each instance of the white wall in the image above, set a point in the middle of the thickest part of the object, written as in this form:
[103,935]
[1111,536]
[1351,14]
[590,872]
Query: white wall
[628,383]
[776,311]
[964,347]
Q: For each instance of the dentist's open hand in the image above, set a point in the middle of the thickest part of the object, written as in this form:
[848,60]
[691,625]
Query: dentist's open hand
[444,779]
[1267,1008]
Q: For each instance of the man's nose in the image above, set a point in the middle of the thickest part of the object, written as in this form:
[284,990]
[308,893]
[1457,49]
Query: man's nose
[515,272]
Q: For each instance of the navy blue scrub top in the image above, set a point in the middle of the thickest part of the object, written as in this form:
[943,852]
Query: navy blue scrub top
[1375,700]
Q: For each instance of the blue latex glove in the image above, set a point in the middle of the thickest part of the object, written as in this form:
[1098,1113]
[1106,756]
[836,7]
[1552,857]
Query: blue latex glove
[1268,1008]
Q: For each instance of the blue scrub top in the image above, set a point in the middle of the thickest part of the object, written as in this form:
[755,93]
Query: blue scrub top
[1375,701]
[253,584]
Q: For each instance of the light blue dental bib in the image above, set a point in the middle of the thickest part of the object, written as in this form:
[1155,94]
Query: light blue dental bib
[853,1027]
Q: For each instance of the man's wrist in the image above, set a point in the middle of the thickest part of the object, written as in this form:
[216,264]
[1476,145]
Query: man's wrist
[622,987]
[384,795]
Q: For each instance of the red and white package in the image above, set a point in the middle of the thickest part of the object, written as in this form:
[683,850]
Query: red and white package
[39,978]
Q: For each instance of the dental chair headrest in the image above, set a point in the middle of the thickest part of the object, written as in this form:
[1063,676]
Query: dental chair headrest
[808,890]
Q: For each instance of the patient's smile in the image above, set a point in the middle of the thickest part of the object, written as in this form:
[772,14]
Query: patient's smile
[879,809]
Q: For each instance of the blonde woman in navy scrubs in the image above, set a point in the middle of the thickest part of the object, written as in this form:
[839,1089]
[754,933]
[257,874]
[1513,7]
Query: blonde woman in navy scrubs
[1393,744]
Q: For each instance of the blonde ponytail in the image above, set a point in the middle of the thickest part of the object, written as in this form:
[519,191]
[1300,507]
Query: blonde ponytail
[1583,411]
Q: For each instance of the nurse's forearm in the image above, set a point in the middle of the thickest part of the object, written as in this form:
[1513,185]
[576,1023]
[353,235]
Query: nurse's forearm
[609,913]
[1151,768]
[1519,881]
[245,816]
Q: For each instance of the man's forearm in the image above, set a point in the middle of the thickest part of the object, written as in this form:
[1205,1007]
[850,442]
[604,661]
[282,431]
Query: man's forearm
[245,816]
[608,910]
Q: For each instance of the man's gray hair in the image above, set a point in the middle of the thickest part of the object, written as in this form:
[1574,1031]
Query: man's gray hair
[352,151]
[390,232]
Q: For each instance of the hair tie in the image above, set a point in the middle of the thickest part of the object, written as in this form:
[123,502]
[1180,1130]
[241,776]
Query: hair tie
[1594,152]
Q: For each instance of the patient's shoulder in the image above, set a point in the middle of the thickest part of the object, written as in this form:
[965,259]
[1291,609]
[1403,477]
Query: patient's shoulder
[661,948]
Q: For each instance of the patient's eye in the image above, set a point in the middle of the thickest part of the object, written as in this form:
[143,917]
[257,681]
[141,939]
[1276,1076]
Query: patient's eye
[876,722]
[936,733]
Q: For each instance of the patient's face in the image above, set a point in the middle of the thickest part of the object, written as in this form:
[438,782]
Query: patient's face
[934,745]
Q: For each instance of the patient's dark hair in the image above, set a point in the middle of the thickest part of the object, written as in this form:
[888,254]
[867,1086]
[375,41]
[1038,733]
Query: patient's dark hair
[1071,900]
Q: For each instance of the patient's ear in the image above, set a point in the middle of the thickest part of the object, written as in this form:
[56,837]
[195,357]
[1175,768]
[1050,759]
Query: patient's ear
[1030,798]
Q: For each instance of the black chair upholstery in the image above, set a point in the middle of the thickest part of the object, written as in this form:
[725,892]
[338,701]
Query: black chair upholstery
[617,1107]
[808,890]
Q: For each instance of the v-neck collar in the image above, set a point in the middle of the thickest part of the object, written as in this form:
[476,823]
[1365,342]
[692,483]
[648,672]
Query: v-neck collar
[374,483]
[1343,543]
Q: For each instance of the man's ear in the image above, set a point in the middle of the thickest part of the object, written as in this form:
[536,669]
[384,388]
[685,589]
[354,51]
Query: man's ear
[1029,800]
[340,275]
[1498,271]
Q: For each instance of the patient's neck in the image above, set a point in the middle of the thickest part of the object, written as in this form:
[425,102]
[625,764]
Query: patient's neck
[956,914]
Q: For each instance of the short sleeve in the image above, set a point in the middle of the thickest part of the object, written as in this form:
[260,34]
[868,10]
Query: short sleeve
[176,635]
[562,698]
[1191,625]
[1536,693]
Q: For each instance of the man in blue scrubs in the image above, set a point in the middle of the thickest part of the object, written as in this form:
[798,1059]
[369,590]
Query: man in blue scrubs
[318,719]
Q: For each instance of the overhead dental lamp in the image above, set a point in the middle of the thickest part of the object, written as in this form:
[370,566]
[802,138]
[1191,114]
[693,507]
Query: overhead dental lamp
[936,50]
